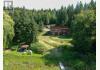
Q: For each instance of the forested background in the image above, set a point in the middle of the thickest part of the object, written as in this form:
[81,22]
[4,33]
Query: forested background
[25,25]
[76,50]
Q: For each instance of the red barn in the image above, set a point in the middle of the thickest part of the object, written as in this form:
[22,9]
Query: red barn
[59,30]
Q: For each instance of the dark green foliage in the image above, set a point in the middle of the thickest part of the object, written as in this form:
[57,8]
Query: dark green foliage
[40,26]
[84,31]
[25,27]
[38,48]
[92,5]
[35,32]
[62,16]
[77,61]
[78,8]
[70,12]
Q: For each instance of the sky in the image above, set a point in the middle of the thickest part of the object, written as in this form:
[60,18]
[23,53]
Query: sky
[46,4]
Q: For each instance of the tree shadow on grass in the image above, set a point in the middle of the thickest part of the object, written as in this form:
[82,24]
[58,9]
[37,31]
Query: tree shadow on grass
[54,56]
[70,58]
[50,58]
[78,61]
[48,33]
[64,36]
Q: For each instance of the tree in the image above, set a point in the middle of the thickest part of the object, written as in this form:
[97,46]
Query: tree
[92,5]
[85,6]
[78,7]
[40,26]
[62,16]
[8,30]
[34,28]
[24,26]
[70,12]
[84,31]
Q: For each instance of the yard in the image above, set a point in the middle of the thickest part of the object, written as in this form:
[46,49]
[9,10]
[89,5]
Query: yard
[17,61]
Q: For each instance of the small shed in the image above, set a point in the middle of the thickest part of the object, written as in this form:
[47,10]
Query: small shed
[23,47]
[59,30]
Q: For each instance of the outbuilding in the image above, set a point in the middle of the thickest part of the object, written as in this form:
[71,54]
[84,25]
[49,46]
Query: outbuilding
[59,30]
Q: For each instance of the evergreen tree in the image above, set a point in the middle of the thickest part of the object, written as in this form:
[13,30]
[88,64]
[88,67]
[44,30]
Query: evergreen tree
[41,25]
[84,31]
[62,16]
[78,7]
[24,27]
[92,5]
[70,12]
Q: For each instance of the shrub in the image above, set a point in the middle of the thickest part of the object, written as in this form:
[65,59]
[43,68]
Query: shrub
[37,48]
[84,31]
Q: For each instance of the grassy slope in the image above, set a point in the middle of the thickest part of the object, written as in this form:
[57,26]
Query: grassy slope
[53,41]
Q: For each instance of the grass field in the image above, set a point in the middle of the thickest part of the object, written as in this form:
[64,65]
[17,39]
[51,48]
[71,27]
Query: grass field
[17,61]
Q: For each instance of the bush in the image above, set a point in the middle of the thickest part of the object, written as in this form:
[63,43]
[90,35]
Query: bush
[84,31]
[38,48]
[14,47]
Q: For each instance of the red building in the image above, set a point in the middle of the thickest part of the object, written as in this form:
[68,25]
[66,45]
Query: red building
[59,30]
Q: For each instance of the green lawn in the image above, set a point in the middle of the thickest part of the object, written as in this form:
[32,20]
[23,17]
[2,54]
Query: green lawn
[17,61]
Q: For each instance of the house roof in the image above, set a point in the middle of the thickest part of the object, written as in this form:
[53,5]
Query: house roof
[24,46]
